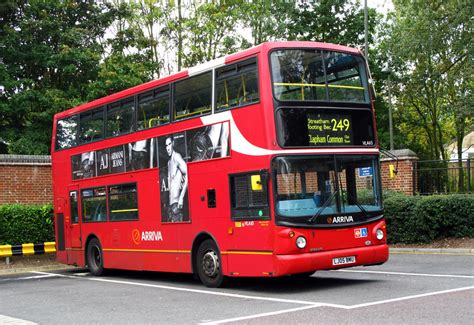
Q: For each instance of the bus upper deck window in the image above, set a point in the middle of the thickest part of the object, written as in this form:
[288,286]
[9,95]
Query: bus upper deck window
[120,118]
[66,132]
[237,85]
[92,125]
[344,77]
[153,109]
[192,96]
[315,75]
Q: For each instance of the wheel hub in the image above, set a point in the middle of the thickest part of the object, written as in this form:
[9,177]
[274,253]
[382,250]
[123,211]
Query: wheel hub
[210,264]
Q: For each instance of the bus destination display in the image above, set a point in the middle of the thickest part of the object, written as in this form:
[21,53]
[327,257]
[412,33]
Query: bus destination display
[330,129]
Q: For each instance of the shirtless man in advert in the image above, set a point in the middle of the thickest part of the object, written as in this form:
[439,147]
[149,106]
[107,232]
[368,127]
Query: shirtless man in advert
[177,181]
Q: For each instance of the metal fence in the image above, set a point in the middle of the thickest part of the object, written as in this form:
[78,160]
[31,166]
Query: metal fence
[443,177]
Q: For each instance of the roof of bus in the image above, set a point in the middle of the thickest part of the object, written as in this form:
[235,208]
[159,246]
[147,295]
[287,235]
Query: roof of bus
[264,47]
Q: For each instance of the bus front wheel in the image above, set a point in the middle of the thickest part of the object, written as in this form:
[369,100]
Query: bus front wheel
[209,267]
[95,257]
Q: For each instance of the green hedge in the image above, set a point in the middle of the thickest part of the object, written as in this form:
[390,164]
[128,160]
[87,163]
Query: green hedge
[21,224]
[422,219]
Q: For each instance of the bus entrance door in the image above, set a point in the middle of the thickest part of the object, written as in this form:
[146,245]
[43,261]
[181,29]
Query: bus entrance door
[73,223]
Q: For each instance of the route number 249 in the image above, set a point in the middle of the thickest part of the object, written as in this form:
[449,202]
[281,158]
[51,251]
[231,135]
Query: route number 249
[340,125]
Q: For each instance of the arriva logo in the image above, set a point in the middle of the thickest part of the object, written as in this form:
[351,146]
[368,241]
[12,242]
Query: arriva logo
[342,219]
[138,236]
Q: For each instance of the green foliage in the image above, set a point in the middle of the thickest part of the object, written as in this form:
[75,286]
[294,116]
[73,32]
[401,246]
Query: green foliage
[399,212]
[422,219]
[20,224]
[50,53]
[333,21]
[267,20]
[427,48]
[210,27]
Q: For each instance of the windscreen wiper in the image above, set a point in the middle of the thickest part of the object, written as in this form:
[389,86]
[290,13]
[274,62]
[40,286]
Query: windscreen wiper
[326,203]
[362,209]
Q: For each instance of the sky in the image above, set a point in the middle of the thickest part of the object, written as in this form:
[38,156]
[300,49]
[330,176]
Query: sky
[381,6]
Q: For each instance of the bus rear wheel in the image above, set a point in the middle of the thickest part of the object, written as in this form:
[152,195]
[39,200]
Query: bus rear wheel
[95,257]
[208,264]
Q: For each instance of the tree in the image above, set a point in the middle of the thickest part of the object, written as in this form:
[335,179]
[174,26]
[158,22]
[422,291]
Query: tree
[132,57]
[429,49]
[151,16]
[211,30]
[267,20]
[173,30]
[333,21]
[50,54]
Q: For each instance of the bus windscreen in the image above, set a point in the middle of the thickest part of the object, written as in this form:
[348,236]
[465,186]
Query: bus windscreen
[316,75]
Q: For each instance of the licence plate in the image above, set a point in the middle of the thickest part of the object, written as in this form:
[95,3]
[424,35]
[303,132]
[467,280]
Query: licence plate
[343,260]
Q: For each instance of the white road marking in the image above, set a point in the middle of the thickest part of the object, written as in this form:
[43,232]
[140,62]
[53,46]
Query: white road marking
[408,297]
[315,305]
[82,274]
[309,304]
[29,278]
[56,275]
[409,274]
[236,319]
[6,320]
[215,293]
[432,253]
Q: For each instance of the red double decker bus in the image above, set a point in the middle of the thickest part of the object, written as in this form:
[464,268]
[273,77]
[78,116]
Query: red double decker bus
[261,164]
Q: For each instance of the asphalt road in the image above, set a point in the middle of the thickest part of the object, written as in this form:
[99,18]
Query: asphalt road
[409,289]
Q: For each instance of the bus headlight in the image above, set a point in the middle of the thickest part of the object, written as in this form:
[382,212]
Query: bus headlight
[301,242]
[379,234]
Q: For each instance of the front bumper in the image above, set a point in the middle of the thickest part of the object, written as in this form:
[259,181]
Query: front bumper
[307,262]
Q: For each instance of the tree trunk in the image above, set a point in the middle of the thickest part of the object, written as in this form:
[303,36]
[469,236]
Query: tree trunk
[460,137]
[180,37]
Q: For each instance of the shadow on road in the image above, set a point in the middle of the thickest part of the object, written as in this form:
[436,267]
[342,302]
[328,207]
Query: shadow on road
[286,284]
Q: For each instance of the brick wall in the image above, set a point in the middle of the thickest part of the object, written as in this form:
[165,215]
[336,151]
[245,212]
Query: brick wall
[403,181]
[25,179]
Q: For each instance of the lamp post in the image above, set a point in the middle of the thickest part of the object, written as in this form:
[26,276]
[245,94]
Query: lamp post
[390,122]
[366,30]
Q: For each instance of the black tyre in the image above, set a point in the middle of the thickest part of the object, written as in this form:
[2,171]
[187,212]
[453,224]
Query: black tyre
[208,264]
[95,258]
